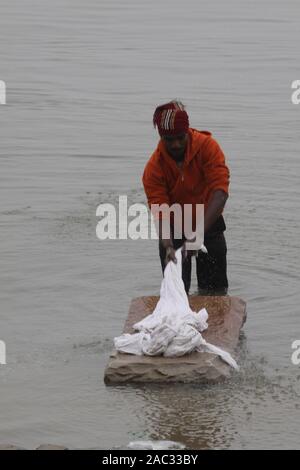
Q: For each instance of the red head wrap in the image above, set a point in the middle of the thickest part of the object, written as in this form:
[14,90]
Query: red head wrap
[171,119]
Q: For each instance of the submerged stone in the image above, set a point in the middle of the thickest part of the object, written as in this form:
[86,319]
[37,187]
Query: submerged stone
[226,316]
[10,447]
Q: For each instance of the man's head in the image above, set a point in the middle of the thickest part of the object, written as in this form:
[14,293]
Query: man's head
[172,122]
[176,145]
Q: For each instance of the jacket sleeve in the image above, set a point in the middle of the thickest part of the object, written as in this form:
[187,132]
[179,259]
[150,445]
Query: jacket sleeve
[155,187]
[216,171]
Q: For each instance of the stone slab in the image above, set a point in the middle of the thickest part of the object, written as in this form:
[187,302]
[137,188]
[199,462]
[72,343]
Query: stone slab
[226,317]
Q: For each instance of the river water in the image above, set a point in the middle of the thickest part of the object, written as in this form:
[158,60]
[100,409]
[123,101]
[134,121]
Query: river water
[83,79]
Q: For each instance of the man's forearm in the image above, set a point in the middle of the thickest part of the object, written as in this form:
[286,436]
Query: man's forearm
[166,241]
[214,208]
[212,212]
[165,235]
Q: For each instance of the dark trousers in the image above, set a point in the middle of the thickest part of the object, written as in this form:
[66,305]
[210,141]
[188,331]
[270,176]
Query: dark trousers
[211,268]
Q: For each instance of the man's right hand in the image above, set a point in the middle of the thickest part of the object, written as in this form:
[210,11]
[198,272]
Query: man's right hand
[170,255]
[187,253]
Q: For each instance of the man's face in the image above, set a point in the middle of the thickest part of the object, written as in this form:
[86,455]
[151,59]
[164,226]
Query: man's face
[176,145]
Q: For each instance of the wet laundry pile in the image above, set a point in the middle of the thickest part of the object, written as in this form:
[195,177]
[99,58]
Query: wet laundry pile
[172,329]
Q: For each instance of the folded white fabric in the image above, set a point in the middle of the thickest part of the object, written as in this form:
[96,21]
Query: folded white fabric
[173,329]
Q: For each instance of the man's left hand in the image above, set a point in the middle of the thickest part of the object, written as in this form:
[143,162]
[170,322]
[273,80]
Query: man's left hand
[188,253]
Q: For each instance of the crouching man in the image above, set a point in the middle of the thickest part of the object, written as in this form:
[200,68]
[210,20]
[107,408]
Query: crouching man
[188,167]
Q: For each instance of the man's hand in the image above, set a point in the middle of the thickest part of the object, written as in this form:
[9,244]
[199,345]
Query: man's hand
[170,255]
[187,253]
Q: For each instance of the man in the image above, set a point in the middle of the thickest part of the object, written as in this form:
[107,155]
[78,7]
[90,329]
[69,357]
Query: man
[188,167]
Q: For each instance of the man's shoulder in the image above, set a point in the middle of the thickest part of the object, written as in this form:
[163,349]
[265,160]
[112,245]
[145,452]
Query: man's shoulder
[200,141]
[155,158]
[153,164]
[200,135]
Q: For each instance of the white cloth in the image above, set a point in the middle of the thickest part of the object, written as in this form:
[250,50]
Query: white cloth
[173,329]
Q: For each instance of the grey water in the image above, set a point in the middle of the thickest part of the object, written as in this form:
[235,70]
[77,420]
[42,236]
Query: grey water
[82,81]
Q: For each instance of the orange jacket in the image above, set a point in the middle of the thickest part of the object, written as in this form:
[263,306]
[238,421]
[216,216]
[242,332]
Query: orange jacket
[204,170]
